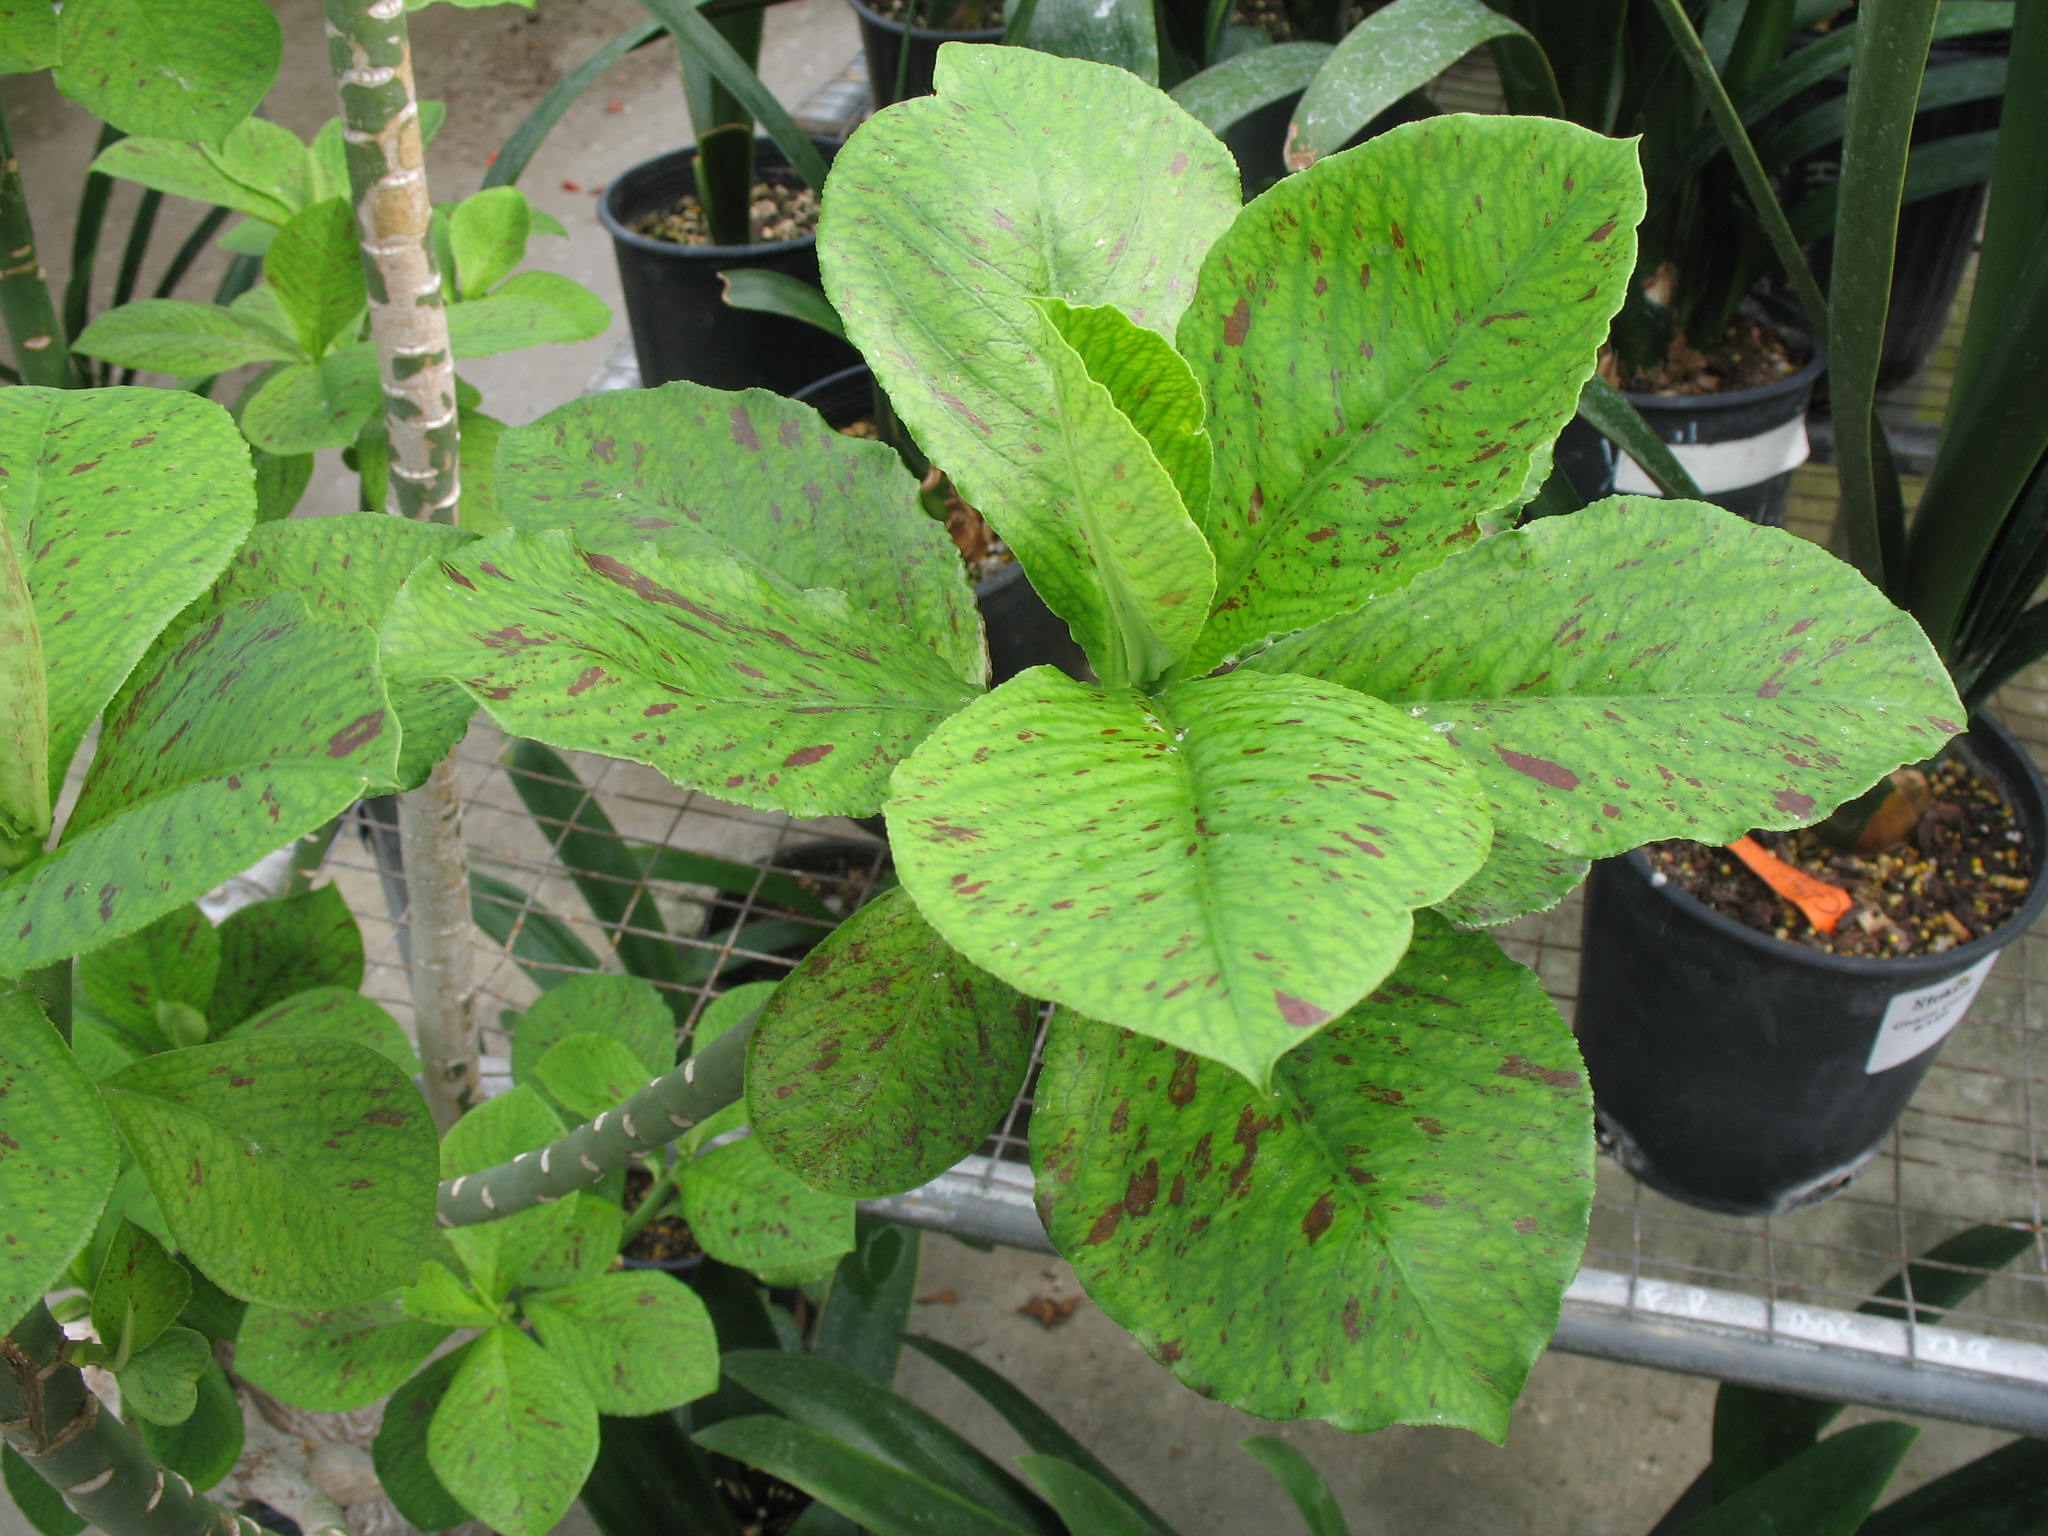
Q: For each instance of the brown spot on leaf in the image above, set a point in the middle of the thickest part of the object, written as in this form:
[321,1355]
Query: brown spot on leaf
[1528,1071]
[1793,803]
[1556,775]
[1237,324]
[803,757]
[1319,1216]
[1299,1012]
[743,432]
[1180,1088]
[1143,1189]
[1525,1225]
[363,729]
[1601,233]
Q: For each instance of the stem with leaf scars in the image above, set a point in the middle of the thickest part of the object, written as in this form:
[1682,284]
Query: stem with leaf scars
[372,60]
[653,1117]
[101,1467]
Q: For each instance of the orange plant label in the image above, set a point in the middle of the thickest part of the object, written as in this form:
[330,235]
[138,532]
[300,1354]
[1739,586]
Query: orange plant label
[1823,904]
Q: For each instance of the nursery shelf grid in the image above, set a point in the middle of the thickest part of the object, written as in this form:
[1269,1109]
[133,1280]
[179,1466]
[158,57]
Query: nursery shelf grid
[1769,1302]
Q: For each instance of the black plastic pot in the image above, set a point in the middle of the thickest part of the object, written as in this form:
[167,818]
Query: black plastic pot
[682,326]
[882,41]
[1742,433]
[1741,1073]
[1022,631]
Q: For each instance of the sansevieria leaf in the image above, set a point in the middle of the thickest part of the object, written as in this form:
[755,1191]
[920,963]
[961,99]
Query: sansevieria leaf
[258,725]
[885,1057]
[1225,867]
[1384,1239]
[1646,669]
[296,1172]
[750,477]
[1389,341]
[724,678]
[936,276]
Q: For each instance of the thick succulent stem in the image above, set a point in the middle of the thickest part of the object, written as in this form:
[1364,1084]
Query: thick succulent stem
[653,1117]
[372,61]
[96,1462]
[26,306]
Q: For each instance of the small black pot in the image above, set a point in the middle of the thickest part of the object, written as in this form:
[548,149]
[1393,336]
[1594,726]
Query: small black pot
[675,303]
[1737,1072]
[882,41]
[1022,631]
[1749,433]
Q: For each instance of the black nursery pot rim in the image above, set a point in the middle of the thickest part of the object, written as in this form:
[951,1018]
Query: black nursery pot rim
[944,35]
[614,220]
[1900,967]
[1802,378]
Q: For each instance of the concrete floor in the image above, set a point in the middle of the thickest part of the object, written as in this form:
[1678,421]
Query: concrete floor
[1595,1449]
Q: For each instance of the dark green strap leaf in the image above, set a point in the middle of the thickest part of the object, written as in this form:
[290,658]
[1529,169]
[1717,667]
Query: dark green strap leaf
[1224,94]
[1304,1484]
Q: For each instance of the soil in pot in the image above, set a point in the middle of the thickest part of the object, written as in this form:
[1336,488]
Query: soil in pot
[783,209]
[666,1242]
[941,15]
[1752,354]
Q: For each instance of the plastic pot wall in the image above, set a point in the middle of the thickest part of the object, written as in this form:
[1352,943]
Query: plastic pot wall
[882,41]
[1741,1073]
[675,303]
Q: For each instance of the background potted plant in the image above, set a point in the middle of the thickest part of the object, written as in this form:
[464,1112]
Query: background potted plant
[1815,1061]
[900,40]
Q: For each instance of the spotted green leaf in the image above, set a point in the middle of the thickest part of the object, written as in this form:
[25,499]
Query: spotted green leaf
[315,268]
[638,1340]
[178,337]
[304,407]
[112,551]
[588,1074]
[1647,669]
[161,1383]
[274,951]
[528,310]
[586,1244]
[24,715]
[172,960]
[399,1452]
[1226,866]
[258,725]
[187,69]
[750,477]
[884,1058]
[624,1008]
[497,1253]
[437,1296]
[515,1434]
[1520,876]
[936,274]
[333,1361]
[260,169]
[746,1211]
[1388,342]
[139,1291]
[722,677]
[1382,1240]
[28,42]
[294,1172]
[332,1013]
[350,568]
[488,234]
[58,1161]
[205,1446]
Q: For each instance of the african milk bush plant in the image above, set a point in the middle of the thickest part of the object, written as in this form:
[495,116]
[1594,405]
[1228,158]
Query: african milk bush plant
[1310,1136]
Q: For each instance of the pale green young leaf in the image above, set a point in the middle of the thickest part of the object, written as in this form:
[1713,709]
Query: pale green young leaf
[625,1008]
[24,716]
[205,1447]
[488,233]
[747,1212]
[1520,876]
[334,1361]
[1385,1239]
[332,1013]
[187,69]
[497,1253]
[188,170]
[749,476]
[172,960]
[1388,342]
[399,1452]
[306,407]
[275,1178]
[1122,859]
[161,1383]
[259,725]
[28,42]
[269,159]
[514,1436]
[936,276]
[437,1296]
[60,1159]
[588,1074]
[316,270]
[638,1340]
[695,668]
[251,237]
[182,339]
[112,554]
[1648,668]
[528,310]
[729,1010]
[1152,386]
[884,1058]
[139,1291]
[272,951]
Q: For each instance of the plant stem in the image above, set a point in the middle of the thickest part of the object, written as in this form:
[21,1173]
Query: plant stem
[653,1117]
[26,306]
[96,1462]
[371,56]
[651,1202]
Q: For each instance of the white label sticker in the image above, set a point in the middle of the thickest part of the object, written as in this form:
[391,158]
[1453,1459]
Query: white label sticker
[1918,1021]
